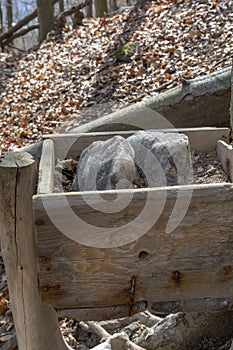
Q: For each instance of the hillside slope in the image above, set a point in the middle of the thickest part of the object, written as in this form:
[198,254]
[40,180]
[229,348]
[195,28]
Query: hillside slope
[109,63]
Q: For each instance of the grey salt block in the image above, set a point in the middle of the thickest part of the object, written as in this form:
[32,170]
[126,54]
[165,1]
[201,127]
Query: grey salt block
[163,159]
[106,165]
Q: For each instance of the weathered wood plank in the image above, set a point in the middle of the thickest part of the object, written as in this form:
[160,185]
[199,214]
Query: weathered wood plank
[34,149]
[46,168]
[36,324]
[192,305]
[202,101]
[225,154]
[103,313]
[192,262]
[71,145]
[113,312]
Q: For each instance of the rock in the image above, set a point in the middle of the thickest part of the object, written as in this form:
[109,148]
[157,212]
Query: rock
[157,158]
[162,158]
[106,165]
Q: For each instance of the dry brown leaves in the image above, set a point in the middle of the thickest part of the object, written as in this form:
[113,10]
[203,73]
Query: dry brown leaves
[63,82]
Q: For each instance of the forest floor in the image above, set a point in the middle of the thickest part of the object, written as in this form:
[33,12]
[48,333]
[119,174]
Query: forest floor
[108,63]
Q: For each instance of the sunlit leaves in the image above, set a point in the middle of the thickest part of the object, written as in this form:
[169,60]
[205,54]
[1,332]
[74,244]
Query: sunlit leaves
[63,83]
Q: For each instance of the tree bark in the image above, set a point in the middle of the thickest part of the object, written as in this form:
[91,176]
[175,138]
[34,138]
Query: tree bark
[7,37]
[88,10]
[76,8]
[113,6]
[140,2]
[24,21]
[45,17]
[101,8]
[1,19]
[231,103]
[205,100]
[36,324]
[61,6]
[20,33]
[9,13]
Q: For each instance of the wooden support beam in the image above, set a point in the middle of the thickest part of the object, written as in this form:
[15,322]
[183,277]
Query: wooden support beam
[36,324]
[188,269]
[225,154]
[71,145]
[46,168]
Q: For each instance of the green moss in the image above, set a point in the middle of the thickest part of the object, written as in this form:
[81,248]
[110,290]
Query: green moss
[126,50]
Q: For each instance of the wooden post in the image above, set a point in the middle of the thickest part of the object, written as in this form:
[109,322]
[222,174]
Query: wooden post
[231,103]
[36,324]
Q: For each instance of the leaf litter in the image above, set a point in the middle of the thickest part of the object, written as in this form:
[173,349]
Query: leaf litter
[82,73]
[85,73]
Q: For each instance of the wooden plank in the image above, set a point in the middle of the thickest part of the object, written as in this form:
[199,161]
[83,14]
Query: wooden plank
[46,168]
[192,305]
[225,154]
[192,262]
[102,313]
[36,324]
[71,145]
[168,307]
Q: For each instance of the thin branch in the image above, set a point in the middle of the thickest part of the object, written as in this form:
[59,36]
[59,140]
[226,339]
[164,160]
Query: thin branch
[9,36]
[24,21]
[76,8]
[20,50]
[21,23]
[21,33]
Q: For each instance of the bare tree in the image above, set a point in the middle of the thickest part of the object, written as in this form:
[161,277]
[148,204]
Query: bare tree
[231,104]
[101,7]
[9,13]
[140,2]
[77,18]
[45,17]
[61,6]
[88,10]
[1,18]
[113,6]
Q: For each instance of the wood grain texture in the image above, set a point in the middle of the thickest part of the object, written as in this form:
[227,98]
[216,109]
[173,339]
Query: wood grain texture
[225,154]
[46,168]
[190,265]
[203,101]
[36,324]
[71,145]
[101,313]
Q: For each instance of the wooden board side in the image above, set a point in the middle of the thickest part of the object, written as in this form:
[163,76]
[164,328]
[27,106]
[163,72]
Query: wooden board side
[46,168]
[71,145]
[225,154]
[193,262]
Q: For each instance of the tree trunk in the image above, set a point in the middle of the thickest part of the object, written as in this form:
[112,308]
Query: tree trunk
[9,13]
[101,7]
[45,16]
[8,36]
[36,324]
[231,103]
[88,10]
[140,2]
[207,105]
[113,6]
[61,6]
[1,19]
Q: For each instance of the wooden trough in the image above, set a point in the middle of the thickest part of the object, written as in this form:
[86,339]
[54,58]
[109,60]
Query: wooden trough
[182,261]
